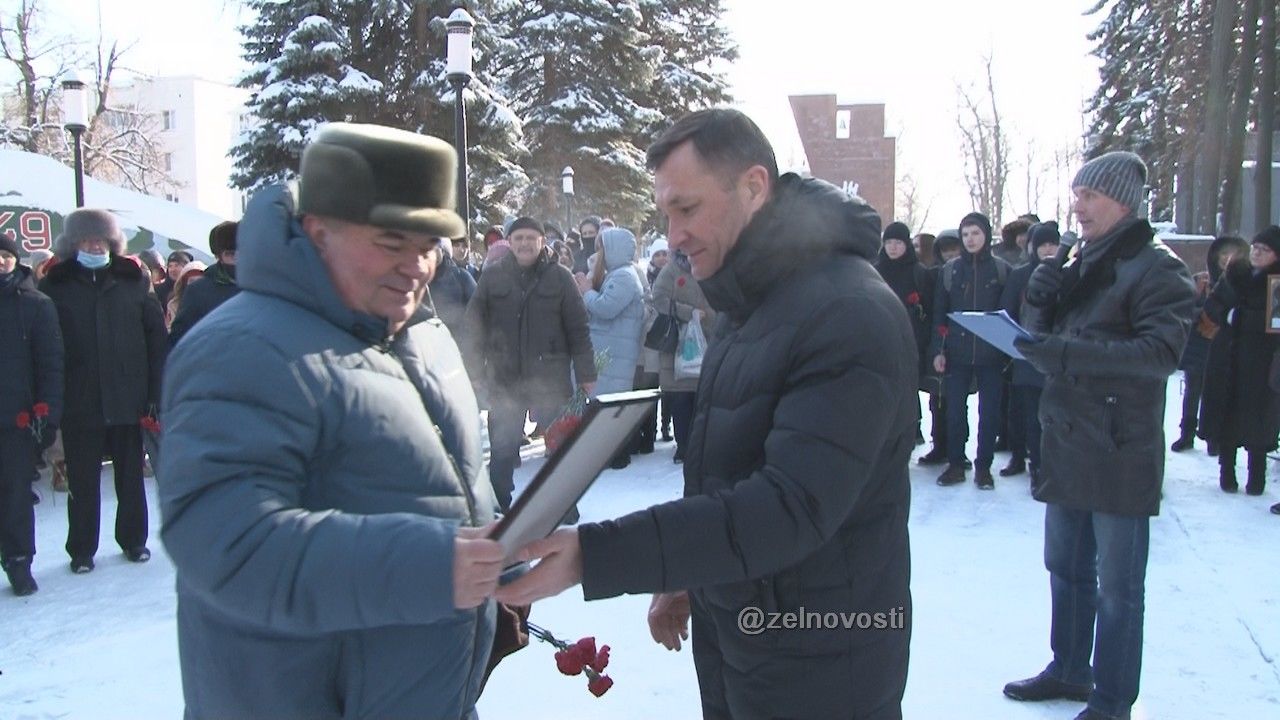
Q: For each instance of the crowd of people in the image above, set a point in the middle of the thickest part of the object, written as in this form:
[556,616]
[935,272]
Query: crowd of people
[355,382]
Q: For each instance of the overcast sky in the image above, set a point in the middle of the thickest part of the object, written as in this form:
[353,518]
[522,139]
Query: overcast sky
[908,54]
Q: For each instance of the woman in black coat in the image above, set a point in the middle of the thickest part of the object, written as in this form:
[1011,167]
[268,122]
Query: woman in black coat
[1240,408]
[913,284]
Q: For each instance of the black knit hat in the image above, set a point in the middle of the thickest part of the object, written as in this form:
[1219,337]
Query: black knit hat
[525,223]
[181,256]
[897,231]
[9,245]
[1043,234]
[1269,237]
[222,238]
[1119,175]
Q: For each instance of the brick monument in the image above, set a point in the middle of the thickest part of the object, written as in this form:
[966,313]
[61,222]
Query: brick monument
[846,146]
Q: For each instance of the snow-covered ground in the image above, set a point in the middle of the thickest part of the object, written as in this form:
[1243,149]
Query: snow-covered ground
[103,645]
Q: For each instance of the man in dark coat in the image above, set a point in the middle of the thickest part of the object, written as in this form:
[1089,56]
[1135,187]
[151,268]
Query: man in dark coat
[796,488]
[31,396]
[524,330]
[1111,325]
[913,284]
[178,260]
[216,286]
[451,289]
[323,498]
[1026,383]
[971,282]
[113,330]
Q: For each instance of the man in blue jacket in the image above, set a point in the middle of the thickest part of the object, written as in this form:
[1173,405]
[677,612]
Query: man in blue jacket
[324,486]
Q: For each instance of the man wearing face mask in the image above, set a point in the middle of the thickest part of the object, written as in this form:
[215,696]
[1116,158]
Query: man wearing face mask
[113,331]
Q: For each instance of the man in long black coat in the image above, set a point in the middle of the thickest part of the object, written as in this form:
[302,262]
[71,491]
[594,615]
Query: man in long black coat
[113,330]
[796,489]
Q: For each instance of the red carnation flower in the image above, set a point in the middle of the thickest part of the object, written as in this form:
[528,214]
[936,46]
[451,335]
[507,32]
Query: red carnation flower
[600,685]
[680,281]
[913,298]
[601,660]
[41,410]
[23,420]
[567,662]
[942,330]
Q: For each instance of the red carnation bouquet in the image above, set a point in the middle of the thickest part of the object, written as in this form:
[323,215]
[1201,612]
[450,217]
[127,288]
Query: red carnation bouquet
[579,658]
[571,416]
[36,420]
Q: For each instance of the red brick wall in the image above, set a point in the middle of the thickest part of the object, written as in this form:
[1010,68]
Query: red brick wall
[866,158]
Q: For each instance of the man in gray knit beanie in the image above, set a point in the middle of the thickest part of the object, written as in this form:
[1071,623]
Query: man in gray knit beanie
[1109,326]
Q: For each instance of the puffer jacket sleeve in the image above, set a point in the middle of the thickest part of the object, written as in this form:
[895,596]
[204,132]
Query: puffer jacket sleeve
[157,339]
[1161,308]
[573,314]
[620,290]
[47,351]
[236,462]
[830,423]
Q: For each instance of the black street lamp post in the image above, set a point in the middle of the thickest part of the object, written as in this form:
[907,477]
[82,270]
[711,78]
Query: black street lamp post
[458,71]
[566,184]
[75,118]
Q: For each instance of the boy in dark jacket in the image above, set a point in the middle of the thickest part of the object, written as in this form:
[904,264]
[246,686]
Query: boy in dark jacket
[972,282]
[216,286]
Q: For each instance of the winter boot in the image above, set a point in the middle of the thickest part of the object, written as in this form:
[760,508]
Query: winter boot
[1227,478]
[1257,474]
[1275,509]
[19,572]
[1016,466]
[936,456]
[1184,442]
[982,476]
[953,475]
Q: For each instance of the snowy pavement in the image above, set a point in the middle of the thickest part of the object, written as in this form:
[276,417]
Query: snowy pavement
[103,645]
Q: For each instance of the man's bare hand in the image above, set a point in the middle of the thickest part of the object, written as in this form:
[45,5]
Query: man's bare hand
[559,568]
[669,619]
[477,563]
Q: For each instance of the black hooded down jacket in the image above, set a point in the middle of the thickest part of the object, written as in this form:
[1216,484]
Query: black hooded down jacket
[796,487]
[30,349]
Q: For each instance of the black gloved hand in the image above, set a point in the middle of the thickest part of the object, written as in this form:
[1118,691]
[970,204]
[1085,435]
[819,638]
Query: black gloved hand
[1047,353]
[48,436]
[1044,284]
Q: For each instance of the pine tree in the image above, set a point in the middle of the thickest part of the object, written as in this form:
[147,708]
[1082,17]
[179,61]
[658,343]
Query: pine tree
[695,45]
[577,72]
[303,76]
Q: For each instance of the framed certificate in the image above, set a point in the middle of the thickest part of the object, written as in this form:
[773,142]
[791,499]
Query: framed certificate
[1273,304]
[607,425]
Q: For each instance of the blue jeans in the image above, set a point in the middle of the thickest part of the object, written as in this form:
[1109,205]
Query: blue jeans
[1097,572]
[990,388]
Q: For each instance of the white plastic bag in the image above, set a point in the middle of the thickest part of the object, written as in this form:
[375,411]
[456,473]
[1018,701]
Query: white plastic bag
[693,346]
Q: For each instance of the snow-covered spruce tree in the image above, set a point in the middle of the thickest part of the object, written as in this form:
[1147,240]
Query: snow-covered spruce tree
[302,76]
[696,47]
[577,72]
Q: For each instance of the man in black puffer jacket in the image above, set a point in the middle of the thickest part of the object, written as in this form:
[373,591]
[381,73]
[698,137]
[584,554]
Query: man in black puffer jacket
[796,491]
[31,386]
[216,286]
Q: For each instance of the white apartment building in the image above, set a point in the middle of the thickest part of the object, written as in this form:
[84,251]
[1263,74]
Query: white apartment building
[199,122]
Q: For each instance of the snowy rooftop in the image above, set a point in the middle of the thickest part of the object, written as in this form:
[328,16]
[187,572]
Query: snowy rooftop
[103,646]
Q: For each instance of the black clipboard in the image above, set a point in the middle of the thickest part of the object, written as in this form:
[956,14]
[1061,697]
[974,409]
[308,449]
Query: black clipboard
[607,424]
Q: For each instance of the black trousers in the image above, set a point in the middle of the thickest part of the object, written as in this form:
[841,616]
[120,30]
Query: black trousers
[17,513]
[1024,424]
[682,407]
[85,448]
[1191,393]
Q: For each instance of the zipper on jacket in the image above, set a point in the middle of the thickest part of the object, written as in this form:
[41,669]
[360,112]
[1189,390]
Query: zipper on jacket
[462,479]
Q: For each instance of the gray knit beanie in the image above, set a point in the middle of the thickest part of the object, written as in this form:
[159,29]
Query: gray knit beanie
[1120,175]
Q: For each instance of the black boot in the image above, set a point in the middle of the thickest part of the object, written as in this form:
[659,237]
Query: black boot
[1016,466]
[1275,509]
[19,572]
[953,475]
[1184,442]
[1227,471]
[936,456]
[982,476]
[1257,474]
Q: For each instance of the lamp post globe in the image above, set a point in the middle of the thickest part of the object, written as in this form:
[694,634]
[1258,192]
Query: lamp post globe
[75,118]
[459,27]
[566,185]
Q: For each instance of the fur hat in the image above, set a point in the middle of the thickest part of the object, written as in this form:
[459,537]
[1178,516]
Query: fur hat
[222,238]
[897,231]
[375,175]
[1120,175]
[86,223]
